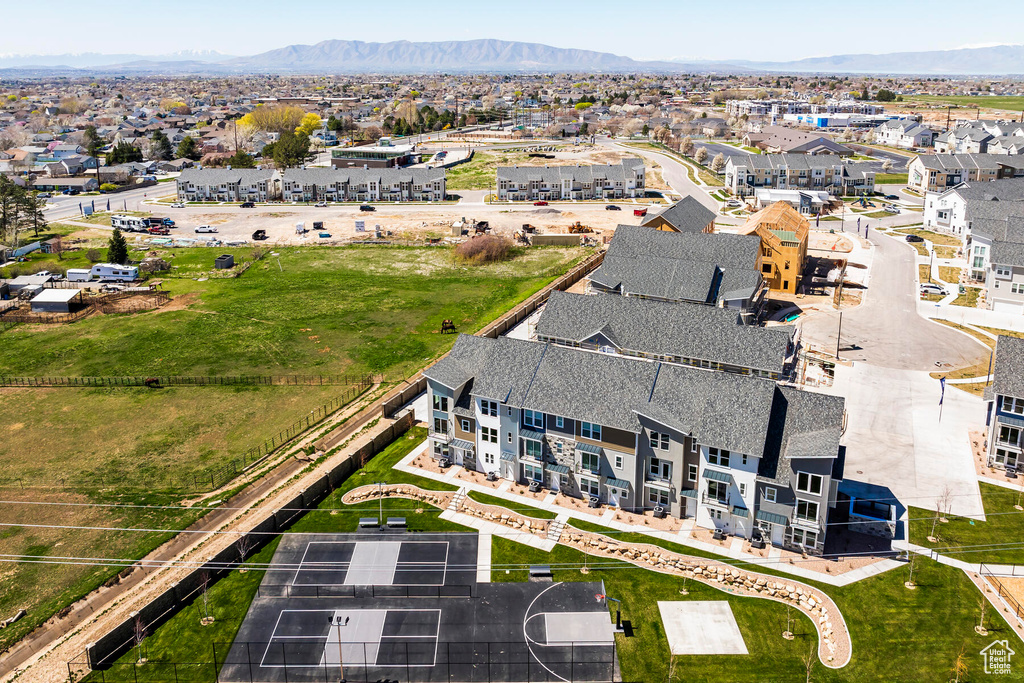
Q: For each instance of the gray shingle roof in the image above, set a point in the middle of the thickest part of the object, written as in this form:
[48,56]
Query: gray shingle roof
[623,172]
[1008,367]
[671,329]
[697,267]
[953,162]
[361,176]
[686,215]
[218,176]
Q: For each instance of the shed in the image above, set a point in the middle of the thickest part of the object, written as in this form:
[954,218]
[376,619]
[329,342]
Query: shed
[224,261]
[22,281]
[55,300]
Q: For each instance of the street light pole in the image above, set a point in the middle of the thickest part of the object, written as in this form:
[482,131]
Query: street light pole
[336,621]
[380,501]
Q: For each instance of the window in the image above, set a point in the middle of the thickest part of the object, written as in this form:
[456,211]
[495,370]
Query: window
[657,497]
[533,472]
[743,490]
[590,431]
[717,456]
[693,446]
[1009,435]
[660,469]
[769,494]
[718,490]
[508,437]
[489,408]
[659,441]
[691,473]
[560,422]
[533,449]
[1017,288]
[1006,458]
[488,434]
[591,462]
[618,462]
[1003,271]
[590,486]
[808,539]
[533,419]
[489,458]
[464,424]
[440,450]
[440,426]
[807,510]
[508,411]
[808,483]
[441,403]
[743,459]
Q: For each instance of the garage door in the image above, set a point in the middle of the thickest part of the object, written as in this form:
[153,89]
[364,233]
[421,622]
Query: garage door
[1006,307]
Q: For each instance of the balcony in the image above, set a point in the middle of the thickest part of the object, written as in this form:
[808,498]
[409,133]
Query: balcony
[806,523]
[443,437]
[714,502]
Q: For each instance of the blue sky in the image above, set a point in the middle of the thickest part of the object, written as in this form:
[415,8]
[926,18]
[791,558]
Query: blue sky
[653,29]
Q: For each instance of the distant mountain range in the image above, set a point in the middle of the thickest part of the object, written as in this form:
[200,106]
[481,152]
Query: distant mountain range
[502,56]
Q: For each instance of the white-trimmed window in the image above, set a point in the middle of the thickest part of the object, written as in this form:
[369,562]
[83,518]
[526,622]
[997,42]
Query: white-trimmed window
[590,486]
[660,468]
[1006,458]
[489,458]
[694,447]
[808,539]
[464,424]
[1017,288]
[489,434]
[1013,405]
[533,449]
[657,497]
[591,462]
[489,408]
[807,510]
[808,483]
[1009,435]
[691,473]
[441,403]
[589,430]
[743,490]
[533,419]
[743,459]
[659,441]
[717,456]
[559,422]
[618,462]
[769,494]
[440,425]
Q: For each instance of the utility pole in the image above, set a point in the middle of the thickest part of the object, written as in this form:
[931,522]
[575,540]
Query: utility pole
[839,334]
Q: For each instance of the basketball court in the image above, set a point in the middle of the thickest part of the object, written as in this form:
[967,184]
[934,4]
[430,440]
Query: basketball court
[386,605]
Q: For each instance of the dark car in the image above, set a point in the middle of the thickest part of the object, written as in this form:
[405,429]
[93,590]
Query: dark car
[248,205]
[73,191]
[366,207]
[259,235]
[892,197]
[915,238]
[612,207]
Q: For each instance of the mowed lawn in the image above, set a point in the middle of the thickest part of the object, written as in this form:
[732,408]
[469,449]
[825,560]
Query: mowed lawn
[997,540]
[898,635]
[1006,102]
[308,311]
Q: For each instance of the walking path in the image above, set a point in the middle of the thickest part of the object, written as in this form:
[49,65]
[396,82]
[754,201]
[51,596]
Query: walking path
[682,537]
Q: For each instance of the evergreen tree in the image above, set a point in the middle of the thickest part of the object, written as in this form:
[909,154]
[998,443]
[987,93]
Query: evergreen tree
[160,149]
[123,153]
[187,148]
[117,249]
[92,141]
[241,160]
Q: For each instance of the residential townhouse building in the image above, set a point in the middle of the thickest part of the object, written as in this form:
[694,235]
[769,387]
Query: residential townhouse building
[953,210]
[1006,406]
[963,140]
[737,453]
[363,184]
[716,269]
[686,215]
[906,134]
[1006,144]
[744,175]
[532,183]
[939,172]
[228,185]
[678,333]
[997,250]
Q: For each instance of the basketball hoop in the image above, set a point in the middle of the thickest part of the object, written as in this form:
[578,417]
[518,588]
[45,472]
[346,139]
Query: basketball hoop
[599,596]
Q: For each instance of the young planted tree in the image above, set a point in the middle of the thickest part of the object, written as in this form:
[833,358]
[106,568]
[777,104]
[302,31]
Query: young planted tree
[204,585]
[718,163]
[138,635]
[686,145]
[243,545]
[117,248]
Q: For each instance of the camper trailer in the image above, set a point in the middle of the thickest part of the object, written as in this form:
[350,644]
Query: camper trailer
[115,272]
[129,223]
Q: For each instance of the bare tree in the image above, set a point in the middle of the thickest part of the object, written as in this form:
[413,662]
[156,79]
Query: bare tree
[204,584]
[243,545]
[58,247]
[718,163]
[959,669]
[701,155]
[980,628]
[945,503]
[138,635]
[808,661]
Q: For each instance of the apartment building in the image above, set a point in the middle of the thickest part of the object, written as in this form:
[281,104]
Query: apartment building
[1006,410]
[737,453]
[963,140]
[363,184]
[712,269]
[906,134]
[228,185]
[952,210]
[532,183]
[679,333]
[938,172]
[997,252]
[744,175]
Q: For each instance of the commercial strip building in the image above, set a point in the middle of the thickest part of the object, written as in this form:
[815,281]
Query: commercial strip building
[737,453]
[744,175]
[532,183]
[382,155]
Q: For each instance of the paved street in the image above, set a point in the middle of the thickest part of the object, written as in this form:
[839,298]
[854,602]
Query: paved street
[899,161]
[66,206]
[886,330]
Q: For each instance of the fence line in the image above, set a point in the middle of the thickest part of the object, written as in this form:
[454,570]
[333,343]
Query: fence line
[1012,602]
[105,303]
[191,380]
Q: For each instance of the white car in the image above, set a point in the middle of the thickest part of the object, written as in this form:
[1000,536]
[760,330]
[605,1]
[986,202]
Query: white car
[177,205]
[206,228]
[932,288]
[733,203]
[321,204]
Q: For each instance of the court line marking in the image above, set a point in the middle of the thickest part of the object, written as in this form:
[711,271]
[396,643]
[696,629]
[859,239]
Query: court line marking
[422,565]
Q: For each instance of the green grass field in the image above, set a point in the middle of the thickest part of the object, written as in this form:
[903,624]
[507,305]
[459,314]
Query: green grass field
[899,635]
[991,541]
[1006,103]
[891,178]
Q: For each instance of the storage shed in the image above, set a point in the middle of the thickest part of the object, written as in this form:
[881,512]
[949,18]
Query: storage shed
[224,261]
[56,300]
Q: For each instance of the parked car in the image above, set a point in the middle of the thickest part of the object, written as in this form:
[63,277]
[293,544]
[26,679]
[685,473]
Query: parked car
[158,230]
[612,207]
[177,205]
[366,207]
[932,288]
[892,209]
[540,203]
[915,238]
[44,195]
[734,203]
[206,228]
[72,191]
[892,197]
[168,222]
[248,205]
[321,204]
[259,235]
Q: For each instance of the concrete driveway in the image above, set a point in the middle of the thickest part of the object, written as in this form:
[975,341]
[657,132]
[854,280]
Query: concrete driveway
[894,437]
[886,330]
